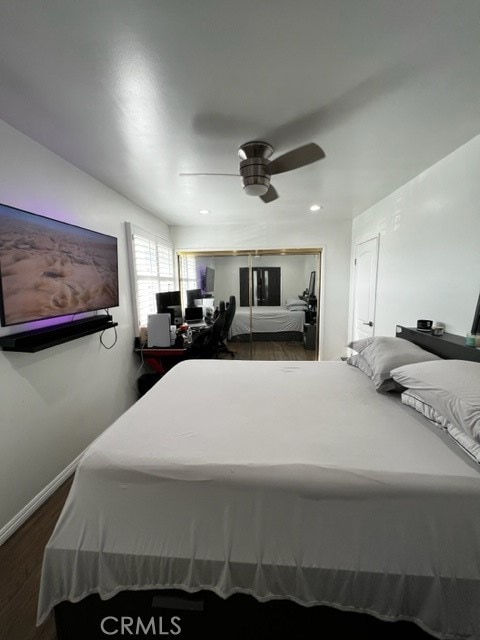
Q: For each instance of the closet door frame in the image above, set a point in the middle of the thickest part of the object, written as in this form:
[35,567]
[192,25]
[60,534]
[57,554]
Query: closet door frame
[319,252]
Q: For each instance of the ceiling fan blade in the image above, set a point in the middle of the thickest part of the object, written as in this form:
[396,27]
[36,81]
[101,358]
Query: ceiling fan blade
[236,175]
[270,196]
[299,157]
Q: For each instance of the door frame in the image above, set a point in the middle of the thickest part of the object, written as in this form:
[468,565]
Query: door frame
[251,253]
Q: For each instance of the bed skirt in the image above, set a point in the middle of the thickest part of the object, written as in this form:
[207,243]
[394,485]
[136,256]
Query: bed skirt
[277,336]
[204,614]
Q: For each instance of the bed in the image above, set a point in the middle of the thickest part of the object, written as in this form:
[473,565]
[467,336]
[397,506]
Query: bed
[343,497]
[268,323]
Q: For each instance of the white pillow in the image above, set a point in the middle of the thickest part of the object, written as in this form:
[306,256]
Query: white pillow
[296,301]
[357,361]
[297,307]
[412,399]
[383,353]
[451,387]
[461,437]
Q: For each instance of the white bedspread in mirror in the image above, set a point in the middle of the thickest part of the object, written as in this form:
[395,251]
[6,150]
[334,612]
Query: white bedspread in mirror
[267,320]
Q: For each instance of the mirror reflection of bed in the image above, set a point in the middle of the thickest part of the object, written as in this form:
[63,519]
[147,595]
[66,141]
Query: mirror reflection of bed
[277,296]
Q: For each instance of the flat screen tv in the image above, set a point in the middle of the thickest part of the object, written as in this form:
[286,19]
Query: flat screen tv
[476,319]
[208,285]
[311,285]
[50,268]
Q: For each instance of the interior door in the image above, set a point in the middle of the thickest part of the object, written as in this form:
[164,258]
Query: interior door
[365,288]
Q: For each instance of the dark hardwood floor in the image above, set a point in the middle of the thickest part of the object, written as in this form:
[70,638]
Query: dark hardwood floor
[20,565]
[282,350]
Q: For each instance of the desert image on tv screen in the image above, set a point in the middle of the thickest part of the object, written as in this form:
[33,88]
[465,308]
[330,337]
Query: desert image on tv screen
[49,268]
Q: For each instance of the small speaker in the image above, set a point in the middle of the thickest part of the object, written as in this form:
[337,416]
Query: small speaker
[159,330]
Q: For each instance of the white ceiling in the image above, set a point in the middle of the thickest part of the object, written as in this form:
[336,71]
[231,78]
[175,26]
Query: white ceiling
[135,92]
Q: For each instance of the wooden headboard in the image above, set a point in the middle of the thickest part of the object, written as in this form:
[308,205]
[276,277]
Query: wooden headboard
[448,346]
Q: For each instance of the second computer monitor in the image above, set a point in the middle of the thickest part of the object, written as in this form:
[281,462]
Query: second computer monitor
[192,295]
[170,302]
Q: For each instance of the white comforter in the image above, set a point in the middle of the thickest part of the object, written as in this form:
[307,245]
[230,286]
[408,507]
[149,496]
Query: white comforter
[267,320]
[303,483]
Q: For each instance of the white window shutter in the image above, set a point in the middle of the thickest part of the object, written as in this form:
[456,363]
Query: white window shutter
[188,274]
[151,269]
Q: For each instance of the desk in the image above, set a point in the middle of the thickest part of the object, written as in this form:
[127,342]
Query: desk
[199,326]
[162,359]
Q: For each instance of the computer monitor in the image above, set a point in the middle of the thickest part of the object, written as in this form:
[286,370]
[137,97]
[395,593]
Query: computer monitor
[193,314]
[192,295]
[168,299]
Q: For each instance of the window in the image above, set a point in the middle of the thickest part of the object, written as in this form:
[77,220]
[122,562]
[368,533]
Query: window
[188,274]
[151,269]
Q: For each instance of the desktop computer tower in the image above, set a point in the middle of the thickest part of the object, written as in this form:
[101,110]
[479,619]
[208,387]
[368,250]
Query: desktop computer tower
[159,330]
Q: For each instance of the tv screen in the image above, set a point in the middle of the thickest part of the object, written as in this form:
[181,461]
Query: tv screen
[209,285]
[50,268]
[311,285]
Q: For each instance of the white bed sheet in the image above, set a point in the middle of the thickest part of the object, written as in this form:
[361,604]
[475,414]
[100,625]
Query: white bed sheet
[351,498]
[267,320]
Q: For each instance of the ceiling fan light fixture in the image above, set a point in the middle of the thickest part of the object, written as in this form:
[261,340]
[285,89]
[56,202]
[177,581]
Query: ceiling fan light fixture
[255,176]
[255,149]
[255,189]
[256,168]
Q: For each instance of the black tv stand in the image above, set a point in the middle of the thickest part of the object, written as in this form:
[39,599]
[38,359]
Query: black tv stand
[38,339]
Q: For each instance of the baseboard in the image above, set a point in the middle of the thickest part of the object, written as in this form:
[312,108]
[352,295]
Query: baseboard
[17,521]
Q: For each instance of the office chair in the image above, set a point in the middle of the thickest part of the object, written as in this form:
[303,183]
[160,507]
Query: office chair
[229,315]
[206,343]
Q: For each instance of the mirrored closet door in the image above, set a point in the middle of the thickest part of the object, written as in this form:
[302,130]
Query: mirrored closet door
[275,297]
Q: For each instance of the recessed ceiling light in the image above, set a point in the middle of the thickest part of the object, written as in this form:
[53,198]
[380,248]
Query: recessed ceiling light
[204,211]
[316,207]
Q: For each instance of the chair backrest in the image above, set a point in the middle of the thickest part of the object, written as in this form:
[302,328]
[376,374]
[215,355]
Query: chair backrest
[229,314]
[219,324]
[205,343]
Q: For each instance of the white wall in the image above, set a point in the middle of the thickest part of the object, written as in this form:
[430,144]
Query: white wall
[55,402]
[429,254]
[227,277]
[334,238]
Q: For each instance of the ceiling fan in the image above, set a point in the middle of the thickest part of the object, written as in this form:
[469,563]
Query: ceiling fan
[256,168]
